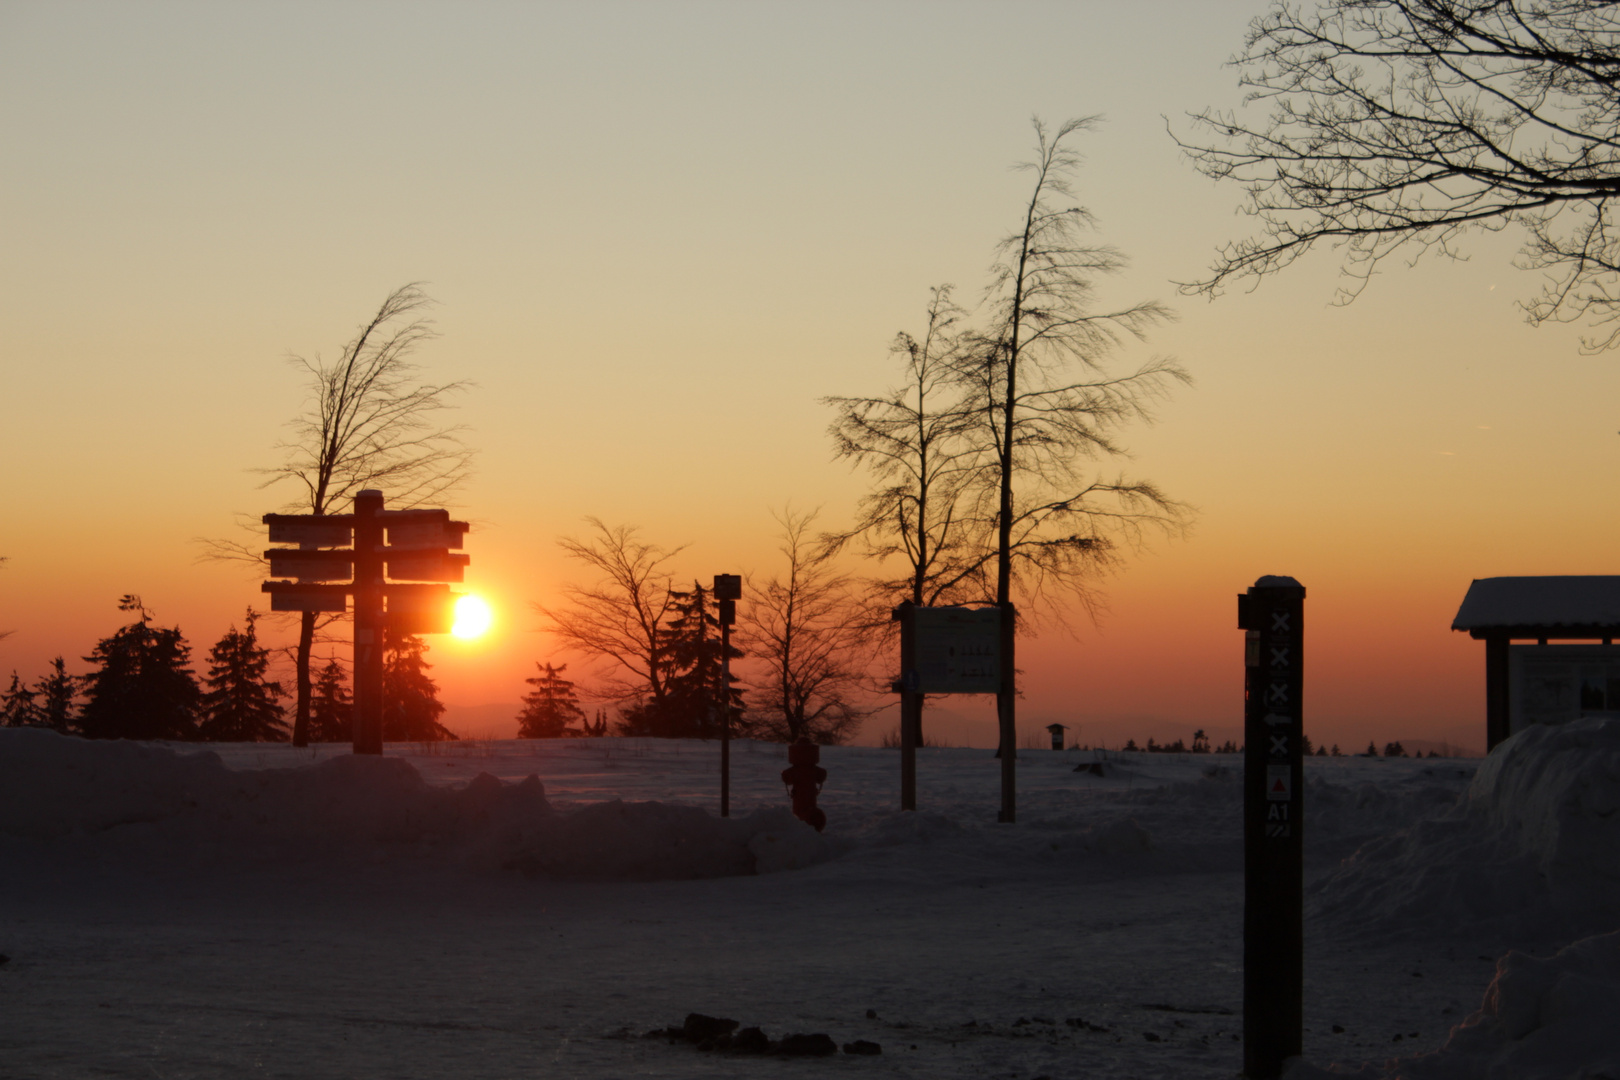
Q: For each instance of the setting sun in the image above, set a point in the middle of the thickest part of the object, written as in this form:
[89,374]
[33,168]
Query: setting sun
[472,617]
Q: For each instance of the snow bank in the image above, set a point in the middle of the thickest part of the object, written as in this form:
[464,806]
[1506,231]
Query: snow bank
[1542,1019]
[54,787]
[1532,848]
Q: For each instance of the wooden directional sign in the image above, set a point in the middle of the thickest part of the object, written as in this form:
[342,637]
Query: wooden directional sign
[311,530]
[409,529]
[311,565]
[357,553]
[426,565]
[419,609]
[297,596]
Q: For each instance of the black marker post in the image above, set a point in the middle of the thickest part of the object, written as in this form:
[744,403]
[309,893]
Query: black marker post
[1272,613]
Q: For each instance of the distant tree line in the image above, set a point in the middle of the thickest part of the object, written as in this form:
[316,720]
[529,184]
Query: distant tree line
[141,686]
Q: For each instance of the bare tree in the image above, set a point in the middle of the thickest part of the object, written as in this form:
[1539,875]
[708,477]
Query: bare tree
[804,628]
[619,616]
[913,442]
[1047,407]
[1399,125]
[370,424]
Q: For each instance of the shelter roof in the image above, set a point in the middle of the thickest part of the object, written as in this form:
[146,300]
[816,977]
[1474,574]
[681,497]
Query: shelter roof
[1528,603]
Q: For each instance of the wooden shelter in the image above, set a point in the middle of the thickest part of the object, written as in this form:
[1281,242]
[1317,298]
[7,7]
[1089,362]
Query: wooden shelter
[1502,610]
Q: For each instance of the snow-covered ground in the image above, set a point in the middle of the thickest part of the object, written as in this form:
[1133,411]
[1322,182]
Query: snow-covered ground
[259,910]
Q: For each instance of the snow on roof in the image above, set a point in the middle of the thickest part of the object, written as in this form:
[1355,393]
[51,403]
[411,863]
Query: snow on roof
[1574,600]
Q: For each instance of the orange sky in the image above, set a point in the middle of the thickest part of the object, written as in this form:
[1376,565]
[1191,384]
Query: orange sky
[658,234]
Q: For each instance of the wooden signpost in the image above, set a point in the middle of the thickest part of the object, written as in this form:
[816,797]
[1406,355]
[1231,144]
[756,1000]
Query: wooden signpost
[948,650]
[1272,613]
[342,555]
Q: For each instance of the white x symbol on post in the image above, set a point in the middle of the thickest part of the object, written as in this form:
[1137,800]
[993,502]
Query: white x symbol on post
[1279,622]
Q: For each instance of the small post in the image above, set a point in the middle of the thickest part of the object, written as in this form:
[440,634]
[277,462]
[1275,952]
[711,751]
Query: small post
[1272,613]
[727,591]
[1498,690]
[910,704]
[368,622]
[1007,714]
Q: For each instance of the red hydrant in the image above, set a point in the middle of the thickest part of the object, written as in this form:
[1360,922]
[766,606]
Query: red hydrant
[804,779]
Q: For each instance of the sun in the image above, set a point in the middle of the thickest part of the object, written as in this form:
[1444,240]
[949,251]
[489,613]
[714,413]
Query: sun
[472,617]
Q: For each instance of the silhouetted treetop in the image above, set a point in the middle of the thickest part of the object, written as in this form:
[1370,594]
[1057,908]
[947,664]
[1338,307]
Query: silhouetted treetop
[1397,125]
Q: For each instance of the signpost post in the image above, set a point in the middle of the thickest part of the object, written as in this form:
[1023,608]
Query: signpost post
[727,591]
[944,650]
[1272,613]
[343,555]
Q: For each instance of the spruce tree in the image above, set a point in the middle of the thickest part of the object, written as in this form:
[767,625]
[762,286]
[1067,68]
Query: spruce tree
[692,646]
[142,687]
[57,695]
[551,706]
[17,708]
[411,706]
[241,704]
[331,708]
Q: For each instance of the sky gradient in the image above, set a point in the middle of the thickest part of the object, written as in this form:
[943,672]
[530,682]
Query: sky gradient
[658,234]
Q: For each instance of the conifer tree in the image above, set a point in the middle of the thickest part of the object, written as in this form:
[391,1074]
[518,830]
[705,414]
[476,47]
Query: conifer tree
[17,708]
[142,687]
[411,706]
[240,704]
[331,707]
[551,707]
[56,698]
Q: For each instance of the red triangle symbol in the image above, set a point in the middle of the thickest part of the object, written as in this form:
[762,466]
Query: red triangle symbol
[1279,785]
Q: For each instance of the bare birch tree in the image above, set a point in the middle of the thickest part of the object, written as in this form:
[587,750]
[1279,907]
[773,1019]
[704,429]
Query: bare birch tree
[370,424]
[804,628]
[913,443]
[618,617]
[1048,408]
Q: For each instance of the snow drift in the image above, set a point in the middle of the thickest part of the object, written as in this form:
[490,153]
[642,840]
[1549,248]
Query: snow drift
[1533,847]
[1542,1019]
[55,787]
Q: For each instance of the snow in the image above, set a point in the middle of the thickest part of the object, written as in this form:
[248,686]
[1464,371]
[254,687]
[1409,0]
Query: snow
[1572,600]
[534,907]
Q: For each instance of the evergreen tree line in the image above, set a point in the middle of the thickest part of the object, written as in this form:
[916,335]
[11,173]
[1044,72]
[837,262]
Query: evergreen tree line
[141,686]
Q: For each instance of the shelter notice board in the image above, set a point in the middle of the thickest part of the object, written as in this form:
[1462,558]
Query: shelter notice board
[958,650]
[1553,684]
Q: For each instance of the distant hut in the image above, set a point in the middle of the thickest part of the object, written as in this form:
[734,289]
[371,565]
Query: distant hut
[1544,683]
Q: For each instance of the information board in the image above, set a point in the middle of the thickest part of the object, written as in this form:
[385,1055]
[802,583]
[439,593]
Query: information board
[958,650]
[1554,684]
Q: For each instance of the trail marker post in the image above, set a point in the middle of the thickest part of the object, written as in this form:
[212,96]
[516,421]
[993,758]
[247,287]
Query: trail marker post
[1272,614]
[343,555]
[727,591]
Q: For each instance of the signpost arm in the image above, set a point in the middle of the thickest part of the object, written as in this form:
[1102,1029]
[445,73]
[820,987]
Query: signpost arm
[368,622]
